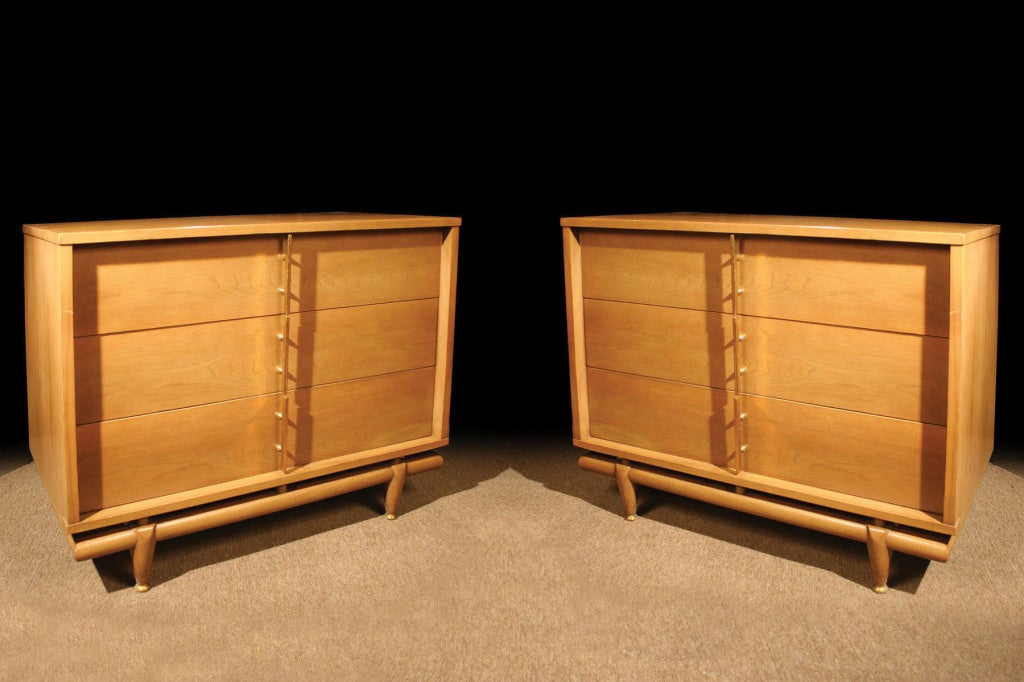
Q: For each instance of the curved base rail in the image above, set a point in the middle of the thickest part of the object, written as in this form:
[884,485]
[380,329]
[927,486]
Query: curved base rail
[881,539]
[140,540]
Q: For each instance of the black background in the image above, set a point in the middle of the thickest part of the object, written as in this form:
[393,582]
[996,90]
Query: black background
[511,149]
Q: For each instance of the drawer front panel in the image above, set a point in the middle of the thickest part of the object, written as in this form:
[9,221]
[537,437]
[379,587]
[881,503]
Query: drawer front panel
[873,285]
[889,460]
[349,417]
[896,375]
[692,346]
[660,268]
[347,343]
[694,422]
[144,285]
[135,459]
[121,375]
[359,268]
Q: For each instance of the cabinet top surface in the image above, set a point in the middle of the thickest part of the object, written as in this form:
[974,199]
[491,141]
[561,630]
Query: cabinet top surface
[794,226]
[222,226]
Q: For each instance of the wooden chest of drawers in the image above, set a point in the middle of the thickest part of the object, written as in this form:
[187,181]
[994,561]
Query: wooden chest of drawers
[838,374]
[184,373]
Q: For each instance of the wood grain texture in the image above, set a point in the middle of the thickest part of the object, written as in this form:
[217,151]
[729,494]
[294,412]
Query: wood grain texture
[694,422]
[218,492]
[976,290]
[575,330]
[826,499]
[445,346]
[890,460]
[50,395]
[123,375]
[360,268]
[332,345]
[818,227]
[923,545]
[892,287]
[133,459]
[894,375]
[146,229]
[131,286]
[336,420]
[680,270]
[691,346]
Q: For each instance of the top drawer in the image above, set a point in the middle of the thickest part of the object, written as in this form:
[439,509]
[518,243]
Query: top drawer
[873,285]
[658,268]
[130,286]
[150,284]
[338,269]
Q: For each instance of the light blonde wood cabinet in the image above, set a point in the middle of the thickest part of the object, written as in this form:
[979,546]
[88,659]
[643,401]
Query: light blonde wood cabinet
[837,374]
[184,373]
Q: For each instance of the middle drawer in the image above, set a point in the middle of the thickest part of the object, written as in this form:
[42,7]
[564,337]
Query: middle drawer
[889,374]
[206,363]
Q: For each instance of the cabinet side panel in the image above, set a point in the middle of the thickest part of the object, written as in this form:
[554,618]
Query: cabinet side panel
[575,332]
[693,422]
[975,409]
[659,268]
[127,460]
[50,413]
[879,458]
[445,331]
[350,417]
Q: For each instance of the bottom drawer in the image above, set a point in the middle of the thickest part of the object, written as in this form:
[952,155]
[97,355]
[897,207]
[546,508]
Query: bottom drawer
[138,458]
[127,460]
[691,421]
[889,460]
[350,417]
[879,458]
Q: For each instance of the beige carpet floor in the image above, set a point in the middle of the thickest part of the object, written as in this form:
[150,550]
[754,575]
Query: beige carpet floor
[511,563]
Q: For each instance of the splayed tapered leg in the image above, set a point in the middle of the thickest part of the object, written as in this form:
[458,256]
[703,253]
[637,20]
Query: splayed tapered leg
[879,555]
[395,486]
[626,489]
[142,555]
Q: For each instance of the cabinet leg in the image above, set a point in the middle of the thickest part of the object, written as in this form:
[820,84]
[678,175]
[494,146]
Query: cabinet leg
[142,555]
[879,554]
[398,470]
[626,489]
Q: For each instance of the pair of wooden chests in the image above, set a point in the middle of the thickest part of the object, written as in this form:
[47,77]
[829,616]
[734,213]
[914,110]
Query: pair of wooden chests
[835,374]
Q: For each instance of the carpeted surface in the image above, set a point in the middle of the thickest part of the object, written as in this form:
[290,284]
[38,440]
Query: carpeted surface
[511,563]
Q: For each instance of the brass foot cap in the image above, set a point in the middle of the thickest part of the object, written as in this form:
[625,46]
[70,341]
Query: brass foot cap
[880,588]
[139,587]
[391,517]
[631,517]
